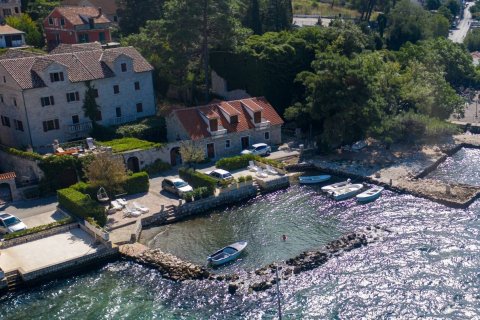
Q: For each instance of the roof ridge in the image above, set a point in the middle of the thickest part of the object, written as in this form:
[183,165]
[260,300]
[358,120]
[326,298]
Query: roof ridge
[81,62]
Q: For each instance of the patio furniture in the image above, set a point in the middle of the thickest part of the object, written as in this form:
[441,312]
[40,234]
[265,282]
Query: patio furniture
[102,195]
[131,212]
[140,207]
[90,144]
[115,205]
[270,170]
[252,167]
[122,202]
[261,173]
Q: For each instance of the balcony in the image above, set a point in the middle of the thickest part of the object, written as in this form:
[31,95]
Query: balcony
[262,125]
[79,127]
[121,120]
[220,132]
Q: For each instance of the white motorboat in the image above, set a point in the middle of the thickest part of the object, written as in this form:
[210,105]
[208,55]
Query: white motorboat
[370,194]
[332,187]
[346,192]
[314,179]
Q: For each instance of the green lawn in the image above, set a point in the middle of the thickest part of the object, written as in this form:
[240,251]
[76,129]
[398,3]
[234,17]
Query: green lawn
[127,144]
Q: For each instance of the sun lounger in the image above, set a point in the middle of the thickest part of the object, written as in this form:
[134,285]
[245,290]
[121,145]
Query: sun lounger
[115,205]
[252,167]
[270,170]
[131,212]
[261,173]
[90,144]
[122,202]
[140,208]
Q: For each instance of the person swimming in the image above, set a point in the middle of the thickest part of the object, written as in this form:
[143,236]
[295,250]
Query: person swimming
[284,237]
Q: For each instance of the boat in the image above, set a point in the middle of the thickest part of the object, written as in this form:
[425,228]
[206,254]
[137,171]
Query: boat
[314,179]
[332,187]
[346,192]
[359,145]
[227,254]
[370,194]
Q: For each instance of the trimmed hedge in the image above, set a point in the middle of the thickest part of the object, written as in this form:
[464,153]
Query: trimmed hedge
[137,183]
[81,205]
[240,162]
[198,179]
[85,188]
[157,167]
[38,228]
[21,153]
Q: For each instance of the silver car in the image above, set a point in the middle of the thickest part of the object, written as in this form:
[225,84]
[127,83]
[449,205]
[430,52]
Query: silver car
[9,223]
[176,185]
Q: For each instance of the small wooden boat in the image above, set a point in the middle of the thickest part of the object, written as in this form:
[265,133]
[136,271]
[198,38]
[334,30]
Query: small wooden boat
[338,185]
[359,145]
[370,194]
[229,253]
[346,192]
[314,179]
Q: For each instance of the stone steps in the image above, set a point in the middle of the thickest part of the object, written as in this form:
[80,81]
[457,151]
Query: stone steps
[14,280]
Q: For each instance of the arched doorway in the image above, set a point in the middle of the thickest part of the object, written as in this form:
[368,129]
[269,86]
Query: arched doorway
[5,193]
[175,157]
[133,164]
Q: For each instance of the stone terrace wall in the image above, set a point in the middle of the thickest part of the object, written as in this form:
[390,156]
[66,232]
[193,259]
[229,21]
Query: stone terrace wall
[26,169]
[39,235]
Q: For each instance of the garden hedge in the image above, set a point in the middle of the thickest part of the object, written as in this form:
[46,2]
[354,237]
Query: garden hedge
[137,183]
[38,228]
[81,205]
[198,179]
[240,162]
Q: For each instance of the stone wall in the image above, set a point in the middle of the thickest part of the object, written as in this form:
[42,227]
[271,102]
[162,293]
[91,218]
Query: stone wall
[147,157]
[220,87]
[26,169]
[268,185]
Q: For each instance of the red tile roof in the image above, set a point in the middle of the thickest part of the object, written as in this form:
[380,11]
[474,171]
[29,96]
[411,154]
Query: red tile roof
[108,6]
[7,176]
[227,108]
[196,127]
[79,15]
[81,65]
[252,105]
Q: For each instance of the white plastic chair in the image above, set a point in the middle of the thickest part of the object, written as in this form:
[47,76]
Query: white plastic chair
[252,167]
[130,212]
[140,208]
[122,202]
[115,205]
[261,174]
[90,144]
[270,170]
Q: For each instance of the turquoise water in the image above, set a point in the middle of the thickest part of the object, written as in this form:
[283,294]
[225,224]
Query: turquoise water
[429,266]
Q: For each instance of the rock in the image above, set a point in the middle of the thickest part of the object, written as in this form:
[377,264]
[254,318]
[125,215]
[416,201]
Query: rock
[297,270]
[261,286]
[232,288]
[220,278]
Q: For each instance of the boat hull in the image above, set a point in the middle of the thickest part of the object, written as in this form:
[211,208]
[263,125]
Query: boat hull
[314,179]
[335,186]
[347,192]
[370,195]
[227,254]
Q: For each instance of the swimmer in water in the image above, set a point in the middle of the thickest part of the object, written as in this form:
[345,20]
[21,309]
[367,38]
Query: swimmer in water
[284,237]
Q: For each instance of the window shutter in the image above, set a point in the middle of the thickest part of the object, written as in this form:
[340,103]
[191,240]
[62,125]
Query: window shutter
[45,127]
[61,76]
[77,96]
[52,101]
[52,78]
[57,124]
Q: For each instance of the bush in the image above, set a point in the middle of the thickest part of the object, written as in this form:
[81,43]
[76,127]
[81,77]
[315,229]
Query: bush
[157,167]
[81,205]
[32,193]
[137,183]
[248,178]
[21,153]
[85,188]
[126,144]
[38,228]
[102,133]
[241,179]
[151,129]
[188,196]
[235,163]
[197,179]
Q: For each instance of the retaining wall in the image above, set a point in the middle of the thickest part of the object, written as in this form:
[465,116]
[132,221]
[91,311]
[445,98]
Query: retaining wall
[39,235]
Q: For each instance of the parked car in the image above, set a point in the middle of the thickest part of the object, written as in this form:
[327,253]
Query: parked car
[220,174]
[258,149]
[9,223]
[176,185]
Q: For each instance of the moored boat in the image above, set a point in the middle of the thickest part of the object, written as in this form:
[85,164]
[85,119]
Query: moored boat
[227,254]
[338,185]
[346,192]
[314,179]
[370,194]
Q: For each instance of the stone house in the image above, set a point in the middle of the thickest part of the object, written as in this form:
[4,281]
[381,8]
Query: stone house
[225,128]
[41,96]
[9,8]
[72,25]
[11,37]
[109,7]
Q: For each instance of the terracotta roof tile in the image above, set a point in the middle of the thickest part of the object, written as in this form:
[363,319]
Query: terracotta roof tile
[81,66]
[227,108]
[108,6]
[78,47]
[7,176]
[17,53]
[252,105]
[79,15]
[196,127]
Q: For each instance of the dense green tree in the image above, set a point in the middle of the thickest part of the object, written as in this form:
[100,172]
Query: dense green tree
[135,13]
[278,15]
[24,23]
[251,18]
[472,40]
[444,11]
[454,6]
[90,106]
[433,4]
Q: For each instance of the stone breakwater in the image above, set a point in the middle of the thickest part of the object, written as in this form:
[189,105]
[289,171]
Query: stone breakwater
[173,268]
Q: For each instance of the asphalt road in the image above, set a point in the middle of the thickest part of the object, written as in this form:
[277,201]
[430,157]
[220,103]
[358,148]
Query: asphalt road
[460,33]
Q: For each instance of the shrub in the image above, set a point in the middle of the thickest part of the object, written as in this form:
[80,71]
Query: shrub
[150,129]
[32,193]
[137,183]
[197,193]
[234,163]
[85,188]
[248,178]
[157,167]
[38,228]
[21,153]
[126,144]
[188,196]
[81,205]
[241,179]
[198,179]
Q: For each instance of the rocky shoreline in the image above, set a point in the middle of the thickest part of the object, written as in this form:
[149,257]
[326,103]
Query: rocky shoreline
[173,268]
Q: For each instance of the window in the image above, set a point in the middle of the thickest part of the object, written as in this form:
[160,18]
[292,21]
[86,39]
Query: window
[83,38]
[75,119]
[101,37]
[56,76]
[233,119]
[5,121]
[267,135]
[115,19]
[73,96]
[7,12]
[95,93]
[124,67]
[116,89]
[139,107]
[57,38]
[227,144]
[17,10]
[118,111]
[47,101]
[98,116]
[137,85]
[62,21]
[18,125]
[50,125]
[50,21]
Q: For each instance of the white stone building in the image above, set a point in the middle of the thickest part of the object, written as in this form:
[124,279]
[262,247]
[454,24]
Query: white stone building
[9,8]
[41,96]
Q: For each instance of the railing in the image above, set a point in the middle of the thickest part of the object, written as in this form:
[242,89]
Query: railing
[79,127]
[122,120]
[262,125]
[220,132]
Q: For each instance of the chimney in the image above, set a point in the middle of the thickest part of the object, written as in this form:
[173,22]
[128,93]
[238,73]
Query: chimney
[99,12]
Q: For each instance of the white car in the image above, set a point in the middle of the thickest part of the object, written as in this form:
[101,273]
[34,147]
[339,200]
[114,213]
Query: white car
[220,174]
[258,149]
[177,186]
[9,223]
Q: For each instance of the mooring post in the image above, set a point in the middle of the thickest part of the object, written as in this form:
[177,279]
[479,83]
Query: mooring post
[162,208]
[391,182]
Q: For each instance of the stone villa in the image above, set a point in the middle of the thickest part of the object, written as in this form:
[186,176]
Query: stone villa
[9,8]
[41,96]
